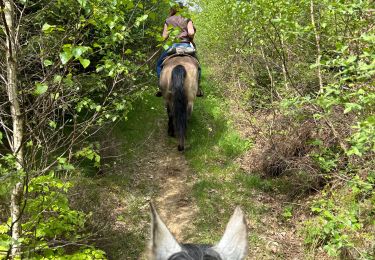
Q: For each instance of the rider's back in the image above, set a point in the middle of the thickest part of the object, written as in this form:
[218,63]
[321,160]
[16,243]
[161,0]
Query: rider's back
[182,23]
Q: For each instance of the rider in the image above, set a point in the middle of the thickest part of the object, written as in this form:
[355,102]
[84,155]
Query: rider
[186,37]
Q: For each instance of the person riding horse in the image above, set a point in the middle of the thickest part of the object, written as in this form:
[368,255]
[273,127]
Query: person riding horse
[178,71]
[186,39]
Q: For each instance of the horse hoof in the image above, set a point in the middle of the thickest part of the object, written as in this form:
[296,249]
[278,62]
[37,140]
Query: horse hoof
[180,148]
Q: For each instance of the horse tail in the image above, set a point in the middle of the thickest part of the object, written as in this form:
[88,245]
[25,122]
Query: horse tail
[179,104]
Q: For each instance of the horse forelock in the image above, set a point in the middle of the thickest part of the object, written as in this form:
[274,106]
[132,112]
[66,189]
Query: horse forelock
[196,252]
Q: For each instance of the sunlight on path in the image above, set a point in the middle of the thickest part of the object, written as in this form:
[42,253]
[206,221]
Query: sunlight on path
[169,170]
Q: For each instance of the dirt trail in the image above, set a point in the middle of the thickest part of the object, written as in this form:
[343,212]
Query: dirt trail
[169,170]
[119,196]
[160,173]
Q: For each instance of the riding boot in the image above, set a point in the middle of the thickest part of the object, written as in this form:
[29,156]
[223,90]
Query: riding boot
[158,93]
[200,92]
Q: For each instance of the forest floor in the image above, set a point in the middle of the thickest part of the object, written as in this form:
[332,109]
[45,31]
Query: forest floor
[195,191]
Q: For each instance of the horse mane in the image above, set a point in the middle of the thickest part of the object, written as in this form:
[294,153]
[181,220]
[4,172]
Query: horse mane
[196,252]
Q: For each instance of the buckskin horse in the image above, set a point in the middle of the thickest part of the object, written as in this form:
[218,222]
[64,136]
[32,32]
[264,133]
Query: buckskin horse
[232,246]
[179,86]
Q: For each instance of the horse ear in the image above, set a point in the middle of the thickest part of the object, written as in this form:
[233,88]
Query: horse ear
[163,244]
[233,244]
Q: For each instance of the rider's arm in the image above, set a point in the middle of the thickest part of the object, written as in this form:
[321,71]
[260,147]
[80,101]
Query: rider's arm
[190,28]
[165,31]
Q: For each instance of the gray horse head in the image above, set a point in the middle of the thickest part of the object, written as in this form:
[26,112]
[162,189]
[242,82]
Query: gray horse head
[232,246]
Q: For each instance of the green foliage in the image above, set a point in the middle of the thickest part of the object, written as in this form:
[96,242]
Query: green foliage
[81,66]
[272,55]
[51,224]
[5,239]
[288,213]
[345,220]
[327,159]
[233,145]
[40,89]
[89,153]
[8,174]
[363,140]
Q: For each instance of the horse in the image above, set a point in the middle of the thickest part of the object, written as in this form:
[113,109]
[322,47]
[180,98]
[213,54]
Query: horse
[179,86]
[232,246]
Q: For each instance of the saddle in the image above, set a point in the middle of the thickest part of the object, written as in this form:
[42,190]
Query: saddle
[176,55]
[181,51]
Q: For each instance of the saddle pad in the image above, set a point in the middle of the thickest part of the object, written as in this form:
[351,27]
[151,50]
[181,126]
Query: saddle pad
[182,49]
[176,55]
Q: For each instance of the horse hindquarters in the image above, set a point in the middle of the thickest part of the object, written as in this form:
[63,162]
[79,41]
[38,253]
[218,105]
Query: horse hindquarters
[179,104]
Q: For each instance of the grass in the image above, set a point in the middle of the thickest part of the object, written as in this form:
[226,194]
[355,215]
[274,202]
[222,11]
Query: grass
[219,184]
[118,200]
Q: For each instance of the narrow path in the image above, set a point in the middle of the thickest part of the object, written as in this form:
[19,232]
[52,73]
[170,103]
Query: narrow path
[169,170]
[156,171]
[153,170]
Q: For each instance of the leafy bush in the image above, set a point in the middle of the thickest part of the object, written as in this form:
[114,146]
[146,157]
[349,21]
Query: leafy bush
[51,228]
[344,222]
[233,145]
[311,65]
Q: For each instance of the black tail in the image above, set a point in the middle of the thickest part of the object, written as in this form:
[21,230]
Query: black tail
[179,104]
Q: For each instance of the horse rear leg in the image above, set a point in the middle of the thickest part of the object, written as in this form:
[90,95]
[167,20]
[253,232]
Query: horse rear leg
[181,145]
[189,109]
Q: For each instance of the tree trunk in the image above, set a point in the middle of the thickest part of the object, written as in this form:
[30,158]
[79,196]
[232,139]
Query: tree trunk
[16,143]
[284,64]
[317,41]
[272,83]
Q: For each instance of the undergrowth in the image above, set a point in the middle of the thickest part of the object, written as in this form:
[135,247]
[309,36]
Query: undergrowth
[219,184]
[118,195]
[344,219]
